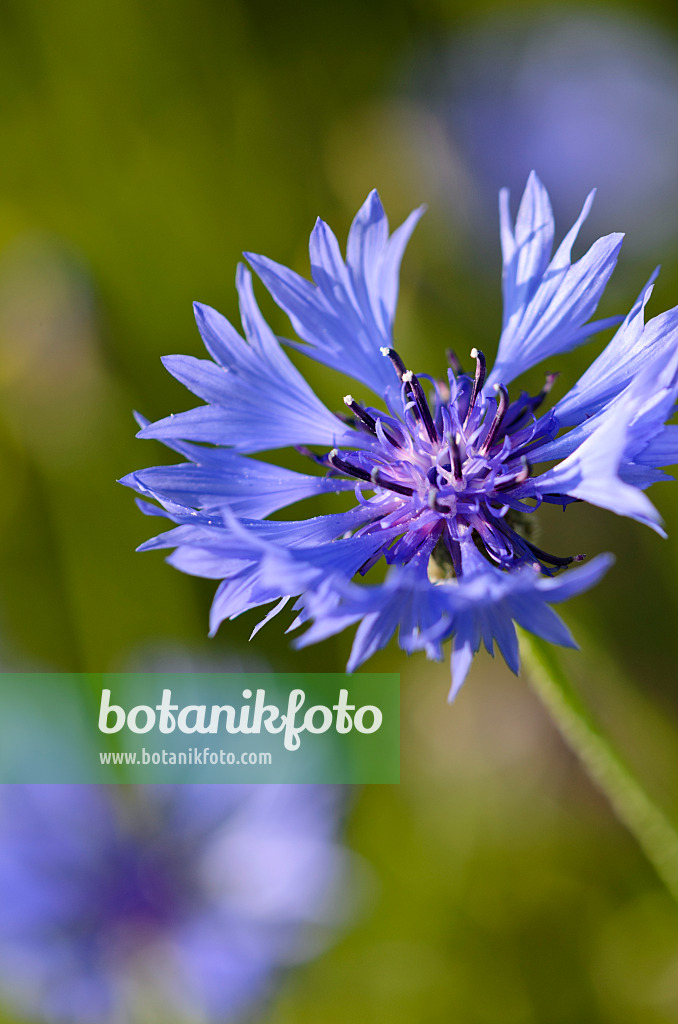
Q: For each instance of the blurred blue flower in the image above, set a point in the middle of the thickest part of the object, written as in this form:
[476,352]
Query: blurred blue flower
[170,903]
[444,479]
[584,93]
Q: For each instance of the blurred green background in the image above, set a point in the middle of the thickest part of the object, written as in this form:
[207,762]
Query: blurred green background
[144,146]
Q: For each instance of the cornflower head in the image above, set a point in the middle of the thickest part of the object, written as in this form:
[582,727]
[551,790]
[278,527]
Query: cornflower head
[172,903]
[444,471]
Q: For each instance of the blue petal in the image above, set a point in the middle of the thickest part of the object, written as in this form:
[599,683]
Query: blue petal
[306,567]
[269,615]
[649,400]
[250,488]
[237,415]
[264,561]
[634,347]
[488,604]
[240,594]
[592,471]
[480,606]
[302,532]
[499,622]
[347,314]
[208,563]
[538,618]
[204,378]
[527,250]
[215,541]
[466,644]
[662,450]
[406,601]
[326,626]
[284,572]
[574,581]
[247,538]
[373,633]
[547,304]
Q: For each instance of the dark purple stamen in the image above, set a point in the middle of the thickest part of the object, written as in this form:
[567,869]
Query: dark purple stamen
[502,406]
[399,365]
[337,462]
[401,370]
[375,477]
[390,485]
[361,414]
[544,556]
[422,405]
[367,420]
[478,382]
[456,457]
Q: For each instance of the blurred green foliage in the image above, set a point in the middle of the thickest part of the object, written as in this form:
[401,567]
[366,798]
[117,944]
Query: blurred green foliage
[146,144]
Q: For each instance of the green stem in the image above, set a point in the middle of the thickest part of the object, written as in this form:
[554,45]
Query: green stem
[651,828]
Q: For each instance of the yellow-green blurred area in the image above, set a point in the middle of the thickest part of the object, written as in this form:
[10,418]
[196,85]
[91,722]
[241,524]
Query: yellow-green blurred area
[144,146]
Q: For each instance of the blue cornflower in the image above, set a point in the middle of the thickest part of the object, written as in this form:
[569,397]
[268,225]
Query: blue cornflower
[444,471]
[172,903]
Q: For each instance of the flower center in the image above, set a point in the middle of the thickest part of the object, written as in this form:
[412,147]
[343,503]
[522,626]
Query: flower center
[448,470]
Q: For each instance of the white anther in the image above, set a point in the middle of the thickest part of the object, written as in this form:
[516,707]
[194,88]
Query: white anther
[384,351]
[348,400]
[474,353]
[407,376]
